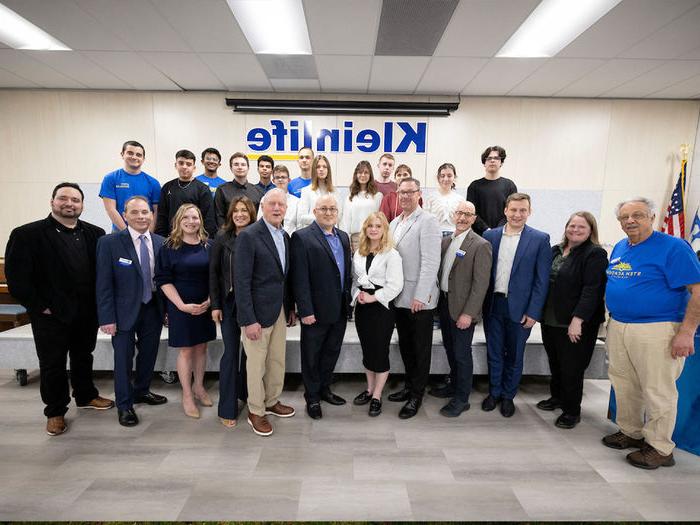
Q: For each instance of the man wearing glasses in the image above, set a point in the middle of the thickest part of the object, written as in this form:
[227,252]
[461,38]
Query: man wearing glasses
[653,294]
[321,280]
[490,192]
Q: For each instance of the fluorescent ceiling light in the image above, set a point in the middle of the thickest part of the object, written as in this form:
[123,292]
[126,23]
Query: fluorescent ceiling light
[20,33]
[275,27]
[553,25]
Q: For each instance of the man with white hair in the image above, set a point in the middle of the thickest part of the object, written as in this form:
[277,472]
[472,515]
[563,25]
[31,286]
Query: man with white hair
[653,294]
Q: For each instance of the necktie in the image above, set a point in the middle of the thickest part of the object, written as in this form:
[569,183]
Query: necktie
[146,270]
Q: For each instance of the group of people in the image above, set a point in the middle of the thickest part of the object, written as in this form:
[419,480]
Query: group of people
[256,258]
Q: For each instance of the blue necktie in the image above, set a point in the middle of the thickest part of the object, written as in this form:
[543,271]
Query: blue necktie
[146,270]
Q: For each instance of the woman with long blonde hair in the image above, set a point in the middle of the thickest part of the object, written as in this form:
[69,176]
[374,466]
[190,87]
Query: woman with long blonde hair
[321,184]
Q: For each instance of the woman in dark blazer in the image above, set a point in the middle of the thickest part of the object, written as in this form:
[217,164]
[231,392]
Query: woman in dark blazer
[573,313]
[232,383]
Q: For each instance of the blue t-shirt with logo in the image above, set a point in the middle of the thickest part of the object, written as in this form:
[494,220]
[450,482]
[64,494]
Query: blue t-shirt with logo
[297,185]
[121,186]
[647,282]
[211,183]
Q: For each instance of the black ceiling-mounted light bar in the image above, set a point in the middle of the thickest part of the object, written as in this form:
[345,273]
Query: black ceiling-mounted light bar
[353,107]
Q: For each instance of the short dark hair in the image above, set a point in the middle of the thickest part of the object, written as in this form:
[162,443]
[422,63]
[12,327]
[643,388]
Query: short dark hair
[185,154]
[136,198]
[410,179]
[67,185]
[237,155]
[280,167]
[135,144]
[213,151]
[266,158]
[501,153]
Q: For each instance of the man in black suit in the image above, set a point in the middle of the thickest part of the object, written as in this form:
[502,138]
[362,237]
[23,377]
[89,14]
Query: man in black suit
[321,279]
[128,306]
[265,308]
[50,270]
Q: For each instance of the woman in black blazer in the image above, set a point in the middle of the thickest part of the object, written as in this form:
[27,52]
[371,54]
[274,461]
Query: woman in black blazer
[573,313]
[232,383]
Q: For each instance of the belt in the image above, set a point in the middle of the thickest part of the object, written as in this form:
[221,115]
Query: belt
[499,294]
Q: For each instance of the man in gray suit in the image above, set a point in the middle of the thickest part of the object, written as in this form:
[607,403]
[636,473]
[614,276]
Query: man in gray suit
[464,279]
[417,237]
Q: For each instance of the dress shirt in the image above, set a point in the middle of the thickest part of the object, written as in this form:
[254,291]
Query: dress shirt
[278,238]
[399,231]
[449,259]
[506,256]
[135,238]
[337,249]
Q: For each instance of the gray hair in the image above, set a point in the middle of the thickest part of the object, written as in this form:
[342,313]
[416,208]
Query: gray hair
[274,190]
[647,202]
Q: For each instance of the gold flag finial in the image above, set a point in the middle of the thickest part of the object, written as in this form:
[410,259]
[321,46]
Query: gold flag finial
[685,149]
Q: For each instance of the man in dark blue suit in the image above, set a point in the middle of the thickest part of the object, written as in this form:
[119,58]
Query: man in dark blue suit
[321,279]
[522,260]
[129,307]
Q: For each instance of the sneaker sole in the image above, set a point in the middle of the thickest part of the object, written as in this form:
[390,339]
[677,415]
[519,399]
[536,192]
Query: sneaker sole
[270,413]
[65,429]
[95,408]
[257,431]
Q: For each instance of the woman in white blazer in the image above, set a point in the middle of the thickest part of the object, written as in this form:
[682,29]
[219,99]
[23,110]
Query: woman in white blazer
[364,198]
[377,280]
[321,184]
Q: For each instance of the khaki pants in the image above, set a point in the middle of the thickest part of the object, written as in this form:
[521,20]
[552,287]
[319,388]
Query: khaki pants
[265,365]
[644,375]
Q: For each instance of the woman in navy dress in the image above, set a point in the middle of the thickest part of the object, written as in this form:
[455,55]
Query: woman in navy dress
[182,272]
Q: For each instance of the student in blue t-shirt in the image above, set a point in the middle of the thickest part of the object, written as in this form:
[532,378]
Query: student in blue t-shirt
[211,160]
[120,185]
[306,158]
[653,294]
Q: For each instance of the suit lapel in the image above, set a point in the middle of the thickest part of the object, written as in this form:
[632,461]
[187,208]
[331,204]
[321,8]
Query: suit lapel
[466,243]
[270,243]
[321,239]
[525,238]
[128,244]
[408,227]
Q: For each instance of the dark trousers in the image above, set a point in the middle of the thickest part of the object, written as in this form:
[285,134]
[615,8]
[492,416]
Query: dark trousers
[415,343]
[505,348]
[232,372]
[458,347]
[55,341]
[320,347]
[145,335]
[568,362]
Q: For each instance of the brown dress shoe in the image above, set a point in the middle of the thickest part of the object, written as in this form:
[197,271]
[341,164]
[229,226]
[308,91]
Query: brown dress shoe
[99,403]
[56,425]
[280,410]
[260,425]
[621,441]
[649,458]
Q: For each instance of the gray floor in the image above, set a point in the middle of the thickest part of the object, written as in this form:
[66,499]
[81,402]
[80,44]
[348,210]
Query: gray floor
[344,467]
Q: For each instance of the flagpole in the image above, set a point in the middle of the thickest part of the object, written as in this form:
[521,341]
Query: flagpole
[685,148]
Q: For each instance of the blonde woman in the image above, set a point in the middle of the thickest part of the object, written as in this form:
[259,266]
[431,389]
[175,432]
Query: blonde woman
[364,198]
[182,273]
[321,184]
[444,201]
[377,280]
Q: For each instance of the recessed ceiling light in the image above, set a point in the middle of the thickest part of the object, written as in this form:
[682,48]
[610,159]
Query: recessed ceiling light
[553,25]
[20,33]
[273,26]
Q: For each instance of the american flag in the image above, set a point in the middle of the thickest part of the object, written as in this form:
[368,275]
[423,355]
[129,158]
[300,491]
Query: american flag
[674,221]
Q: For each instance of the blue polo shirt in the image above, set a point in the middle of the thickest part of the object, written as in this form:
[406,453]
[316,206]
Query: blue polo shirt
[120,186]
[647,282]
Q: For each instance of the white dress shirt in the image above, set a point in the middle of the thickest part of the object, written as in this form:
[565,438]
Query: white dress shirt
[506,256]
[449,259]
[135,238]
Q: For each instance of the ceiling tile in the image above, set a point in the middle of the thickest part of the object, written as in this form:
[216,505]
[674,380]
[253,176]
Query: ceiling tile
[689,88]
[479,28]
[288,66]
[611,75]
[554,75]
[501,75]
[396,74]
[295,84]
[10,80]
[673,40]
[238,72]
[342,74]
[657,79]
[342,27]
[449,75]
[132,69]
[76,66]
[137,23]
[624,25]
[185,69]
[211,26]
[22,65]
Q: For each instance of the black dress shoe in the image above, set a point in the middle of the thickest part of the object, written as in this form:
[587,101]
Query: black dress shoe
[507,407]
[362,399]
[442,392]
[375,407]
[489,403]
[314,410]
[454,408]
[549,404]
[567,421]
[151,399]
[332,399]
[410,409]
[400,396]
[128,418]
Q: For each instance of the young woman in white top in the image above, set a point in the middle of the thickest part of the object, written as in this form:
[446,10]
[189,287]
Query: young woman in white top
[364,198]
[377,278]
[321,184]
[444,201]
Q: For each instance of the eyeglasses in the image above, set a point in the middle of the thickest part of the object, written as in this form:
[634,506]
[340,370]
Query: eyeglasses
[407,193]
[280,178]
[637,216]
[464,214]
[332,211]
[493,158]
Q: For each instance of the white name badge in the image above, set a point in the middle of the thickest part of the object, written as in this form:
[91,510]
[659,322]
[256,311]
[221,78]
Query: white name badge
[124,262]
[460,253]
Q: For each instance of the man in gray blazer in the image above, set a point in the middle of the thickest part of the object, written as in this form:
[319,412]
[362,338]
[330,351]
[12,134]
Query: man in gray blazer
[417,237]
[464,279]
